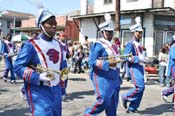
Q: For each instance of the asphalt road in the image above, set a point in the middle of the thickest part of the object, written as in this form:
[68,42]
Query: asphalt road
[81,95]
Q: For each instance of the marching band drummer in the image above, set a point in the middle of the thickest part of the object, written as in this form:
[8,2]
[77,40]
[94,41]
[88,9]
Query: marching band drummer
[104,73]
[43,93]
[136,70]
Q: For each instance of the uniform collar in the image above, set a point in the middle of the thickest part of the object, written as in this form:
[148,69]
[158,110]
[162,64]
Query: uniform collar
[44,37]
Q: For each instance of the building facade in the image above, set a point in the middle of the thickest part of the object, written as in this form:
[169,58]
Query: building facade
[158,20]
[9,20]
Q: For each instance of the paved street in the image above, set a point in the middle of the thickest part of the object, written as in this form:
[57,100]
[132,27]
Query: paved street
[81,96]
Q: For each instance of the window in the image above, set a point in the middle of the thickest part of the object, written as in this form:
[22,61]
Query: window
[107,1]
[131,0]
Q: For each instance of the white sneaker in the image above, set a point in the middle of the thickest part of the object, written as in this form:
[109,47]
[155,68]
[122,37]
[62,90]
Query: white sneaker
[164,97]
[22,96]
[13,81]
[5,79]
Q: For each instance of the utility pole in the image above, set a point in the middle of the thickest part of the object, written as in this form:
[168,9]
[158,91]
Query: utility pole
[117,17]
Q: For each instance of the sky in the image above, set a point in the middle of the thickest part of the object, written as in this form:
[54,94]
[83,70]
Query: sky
[29,6]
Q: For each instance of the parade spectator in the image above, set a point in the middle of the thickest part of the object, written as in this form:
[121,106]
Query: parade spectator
[104,73]
[8,51]
[71,59]
[65,56]
[136,69]
[86,45]
[124,66]
[86,42]
[117,43]
[34,34]
[43,90]
[163,57]
[79,55]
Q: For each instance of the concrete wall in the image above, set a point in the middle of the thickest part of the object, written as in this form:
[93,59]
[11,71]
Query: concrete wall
[83,7]
[169,3]
[4,28]
[139,4]
[99,6]
[149,33]
[87,28]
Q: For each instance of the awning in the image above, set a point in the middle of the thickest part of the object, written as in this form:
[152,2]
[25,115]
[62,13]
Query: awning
[151,10]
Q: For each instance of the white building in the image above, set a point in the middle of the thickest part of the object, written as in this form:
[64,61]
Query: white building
[158,20]
[9,20]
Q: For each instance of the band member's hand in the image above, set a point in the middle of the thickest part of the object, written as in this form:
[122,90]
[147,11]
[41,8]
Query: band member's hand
[46,76]
[143,59]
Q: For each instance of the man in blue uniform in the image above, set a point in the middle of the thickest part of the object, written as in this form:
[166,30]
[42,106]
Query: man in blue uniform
[136,70]
[170,71]
[42,88]
[104,73]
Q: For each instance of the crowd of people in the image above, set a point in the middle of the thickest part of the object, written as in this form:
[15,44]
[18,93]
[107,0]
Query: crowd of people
[45,91]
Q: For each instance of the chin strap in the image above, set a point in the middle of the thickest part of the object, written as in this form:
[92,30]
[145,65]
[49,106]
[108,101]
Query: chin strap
[104,34]
[45,31]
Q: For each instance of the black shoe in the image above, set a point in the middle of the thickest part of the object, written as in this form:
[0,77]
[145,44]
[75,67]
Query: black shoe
[132,111]
[124,103]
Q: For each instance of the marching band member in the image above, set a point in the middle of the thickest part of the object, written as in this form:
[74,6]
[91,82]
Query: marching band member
[136,69]
[43,89]
[104,73]
[8,51]
[170,71]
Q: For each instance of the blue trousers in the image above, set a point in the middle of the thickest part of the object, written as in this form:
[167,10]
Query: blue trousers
[9,67]
[168,91]
[44,100]
[107,93]
[134,96]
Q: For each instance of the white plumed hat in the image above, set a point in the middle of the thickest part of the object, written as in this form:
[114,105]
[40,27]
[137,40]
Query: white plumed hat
[43,14]
[108,24]
[137,26]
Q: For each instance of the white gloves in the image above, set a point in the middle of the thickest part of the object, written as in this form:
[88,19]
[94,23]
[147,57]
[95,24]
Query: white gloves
[45,76]
[143,59]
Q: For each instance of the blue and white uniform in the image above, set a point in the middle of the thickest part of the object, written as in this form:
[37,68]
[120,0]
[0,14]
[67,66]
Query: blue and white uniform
[170,71]
[105,79]
[136,72]
[8,47]
[44,98]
